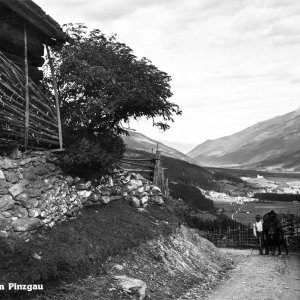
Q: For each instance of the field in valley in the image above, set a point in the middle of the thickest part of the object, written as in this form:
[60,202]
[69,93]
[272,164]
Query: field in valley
[248,211]
[268,182]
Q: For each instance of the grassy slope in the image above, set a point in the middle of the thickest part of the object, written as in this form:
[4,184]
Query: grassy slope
[78,247]
[169,265]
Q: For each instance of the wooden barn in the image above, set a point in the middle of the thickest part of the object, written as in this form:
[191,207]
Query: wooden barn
[28,118]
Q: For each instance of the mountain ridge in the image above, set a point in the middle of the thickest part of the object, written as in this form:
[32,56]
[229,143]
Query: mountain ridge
[260,145]
[138,141]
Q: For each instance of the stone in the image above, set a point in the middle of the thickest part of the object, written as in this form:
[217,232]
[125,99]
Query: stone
[110,181]
[20,212]
[51,167]
[146,187]
[3,191]
[4,234]
[28,202]
[5,223]
[28,224]
[155,190]
[116,190]
[23,197]
[7,163]
[134,184]
[83,185]
[144,199]
[12,177]
[105,199]
[134,287]
[41,170]
[158,200]
[25,161]
[2,175]
[69,180]
[118,267]
[113,198]
[84,194]
[135,202]
[140,189]
[33,193]
[34,212]
[138,176]
[105,192]
[39,184]
[95,197]
[6,214]
[16,189]
[83,200]
[16,154]
[77,179]
[88,203]
[29,173]
[3,183]
[6,202]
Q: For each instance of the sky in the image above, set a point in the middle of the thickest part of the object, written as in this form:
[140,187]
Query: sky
[233,63]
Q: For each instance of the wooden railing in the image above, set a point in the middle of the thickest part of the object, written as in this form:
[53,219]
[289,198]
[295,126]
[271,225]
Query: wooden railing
[242,237]
[150,168]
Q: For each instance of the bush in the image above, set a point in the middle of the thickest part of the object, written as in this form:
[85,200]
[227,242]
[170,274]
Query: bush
[220,175]
[91,155]
[192,196]
[277,197]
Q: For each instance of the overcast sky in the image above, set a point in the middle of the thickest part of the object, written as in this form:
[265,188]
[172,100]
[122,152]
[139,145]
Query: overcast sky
[233,63]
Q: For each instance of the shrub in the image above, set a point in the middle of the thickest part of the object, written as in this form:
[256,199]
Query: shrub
[192,196]
[91,155]
[220,175]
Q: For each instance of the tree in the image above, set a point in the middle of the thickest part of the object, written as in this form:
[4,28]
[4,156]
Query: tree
[101,84]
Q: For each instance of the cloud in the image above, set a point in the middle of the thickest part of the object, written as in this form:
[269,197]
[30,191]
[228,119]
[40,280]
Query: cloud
[233,62]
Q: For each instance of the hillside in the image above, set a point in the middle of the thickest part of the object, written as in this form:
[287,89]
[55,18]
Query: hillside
[138,141]
[272,145]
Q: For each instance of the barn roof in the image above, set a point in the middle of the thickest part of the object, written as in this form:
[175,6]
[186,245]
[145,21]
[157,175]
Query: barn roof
[49,29]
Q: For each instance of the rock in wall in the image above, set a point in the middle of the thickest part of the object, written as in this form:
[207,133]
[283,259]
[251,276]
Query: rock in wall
[34,192]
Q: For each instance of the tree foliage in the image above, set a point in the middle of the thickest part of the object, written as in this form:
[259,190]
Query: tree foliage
[103,84]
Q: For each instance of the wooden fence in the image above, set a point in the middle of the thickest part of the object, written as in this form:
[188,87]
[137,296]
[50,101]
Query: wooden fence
[242,236]
[150,168]
[28,118]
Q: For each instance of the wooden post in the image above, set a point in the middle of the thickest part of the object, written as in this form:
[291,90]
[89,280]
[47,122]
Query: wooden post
[167,188]
[26,88]
[56,99]
[157,169]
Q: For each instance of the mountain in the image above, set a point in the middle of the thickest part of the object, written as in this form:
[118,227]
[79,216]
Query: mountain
[138,141]
[272,145]
[182,147]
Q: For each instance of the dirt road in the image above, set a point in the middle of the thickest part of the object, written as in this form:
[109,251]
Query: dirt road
[256,277]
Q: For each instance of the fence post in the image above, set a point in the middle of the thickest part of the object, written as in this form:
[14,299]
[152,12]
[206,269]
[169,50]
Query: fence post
[26,133]
[167,192]
[158,172]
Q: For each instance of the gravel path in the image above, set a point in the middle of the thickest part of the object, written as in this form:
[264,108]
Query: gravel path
[256,277]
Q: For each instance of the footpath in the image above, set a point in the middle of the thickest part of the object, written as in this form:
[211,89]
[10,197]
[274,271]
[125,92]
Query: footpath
[255,277]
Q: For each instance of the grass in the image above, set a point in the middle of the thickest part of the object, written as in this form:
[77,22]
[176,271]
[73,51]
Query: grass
[254,173]
[247,214]
[78,248]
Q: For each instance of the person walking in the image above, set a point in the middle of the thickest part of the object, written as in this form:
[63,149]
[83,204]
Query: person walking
[258,232]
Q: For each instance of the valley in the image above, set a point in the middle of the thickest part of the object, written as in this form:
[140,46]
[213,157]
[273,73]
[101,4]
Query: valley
[239,203]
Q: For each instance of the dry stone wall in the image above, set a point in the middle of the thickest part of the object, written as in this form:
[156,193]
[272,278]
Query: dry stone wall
[34,192]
